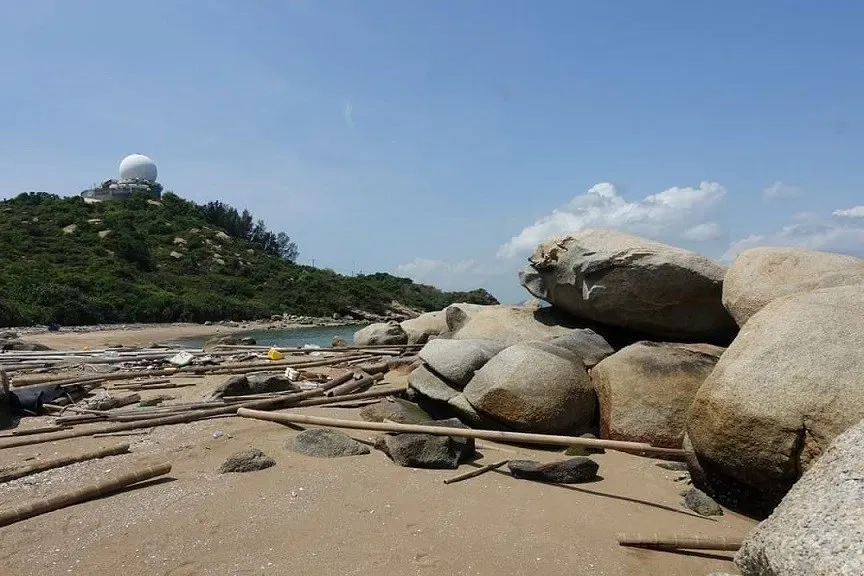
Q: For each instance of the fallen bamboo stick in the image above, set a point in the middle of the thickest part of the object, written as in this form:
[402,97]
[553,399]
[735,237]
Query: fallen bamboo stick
[476,472]
[107,486]
[152,381]
[30,431]
[375,368]
[674,542]
[494,435]
[182,418]
[43,465]
[163,386]
[358,385]
[129,433]
[380,392]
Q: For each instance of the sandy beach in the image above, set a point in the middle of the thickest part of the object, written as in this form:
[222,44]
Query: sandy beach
[142,334]
[360,515]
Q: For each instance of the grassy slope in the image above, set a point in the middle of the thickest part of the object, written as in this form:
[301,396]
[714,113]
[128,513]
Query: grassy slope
[129,275]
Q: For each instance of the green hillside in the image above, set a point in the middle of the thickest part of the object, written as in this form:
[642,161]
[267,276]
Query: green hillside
[63,260]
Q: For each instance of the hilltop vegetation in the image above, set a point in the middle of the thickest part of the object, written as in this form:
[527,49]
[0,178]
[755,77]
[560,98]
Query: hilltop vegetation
[66,261]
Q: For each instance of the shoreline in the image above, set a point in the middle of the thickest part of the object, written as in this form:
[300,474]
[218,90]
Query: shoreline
[113,335]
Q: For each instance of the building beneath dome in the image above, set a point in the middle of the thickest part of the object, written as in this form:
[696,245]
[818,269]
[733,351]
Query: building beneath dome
[137,174]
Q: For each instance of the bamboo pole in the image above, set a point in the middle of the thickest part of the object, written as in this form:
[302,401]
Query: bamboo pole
[65,382]
[380,392]
[675,541]
[476,472]
[43,465]
[494,435]
[107,486]
[29,431]
[350,386]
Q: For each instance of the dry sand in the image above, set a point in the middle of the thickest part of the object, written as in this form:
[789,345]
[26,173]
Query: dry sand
[359,515]
[138,335]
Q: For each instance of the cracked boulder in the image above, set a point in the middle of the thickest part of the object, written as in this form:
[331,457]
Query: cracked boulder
[787,386]
[629,282]
[645,390]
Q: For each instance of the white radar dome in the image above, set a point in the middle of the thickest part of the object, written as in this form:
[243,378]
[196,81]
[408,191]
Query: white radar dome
[138,167]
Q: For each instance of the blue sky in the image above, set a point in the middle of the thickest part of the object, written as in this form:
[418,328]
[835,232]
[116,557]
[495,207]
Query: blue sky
[442,140]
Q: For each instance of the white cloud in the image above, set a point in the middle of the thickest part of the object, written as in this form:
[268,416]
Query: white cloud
[348,113]
[856,212]
[673,211]
[842,233]
[702,232]
[462,275]
[778,191]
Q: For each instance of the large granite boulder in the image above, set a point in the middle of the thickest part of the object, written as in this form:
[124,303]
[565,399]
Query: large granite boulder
[590,346]
[786,387]
[535,387]
[760,275]
[457,360]
[457,315]
[381,333]
[632,283]
[818,528]
[645,390]
[425,326]
[515,324]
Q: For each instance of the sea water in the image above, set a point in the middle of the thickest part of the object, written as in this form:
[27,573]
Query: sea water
[295,337]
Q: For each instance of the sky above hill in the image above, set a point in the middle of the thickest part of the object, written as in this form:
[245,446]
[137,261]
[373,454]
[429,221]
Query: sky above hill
[444,140]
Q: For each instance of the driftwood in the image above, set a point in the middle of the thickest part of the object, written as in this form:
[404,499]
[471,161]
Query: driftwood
[109,402]
[101,488]
[41,466]
[675,542]
[129,433]
[29,431]
[476,472]
[374,368]
[151,382]
[163,385]
[494,435]
[182,418]
[236,368]
[358,385]
[64,382]
[375,393]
